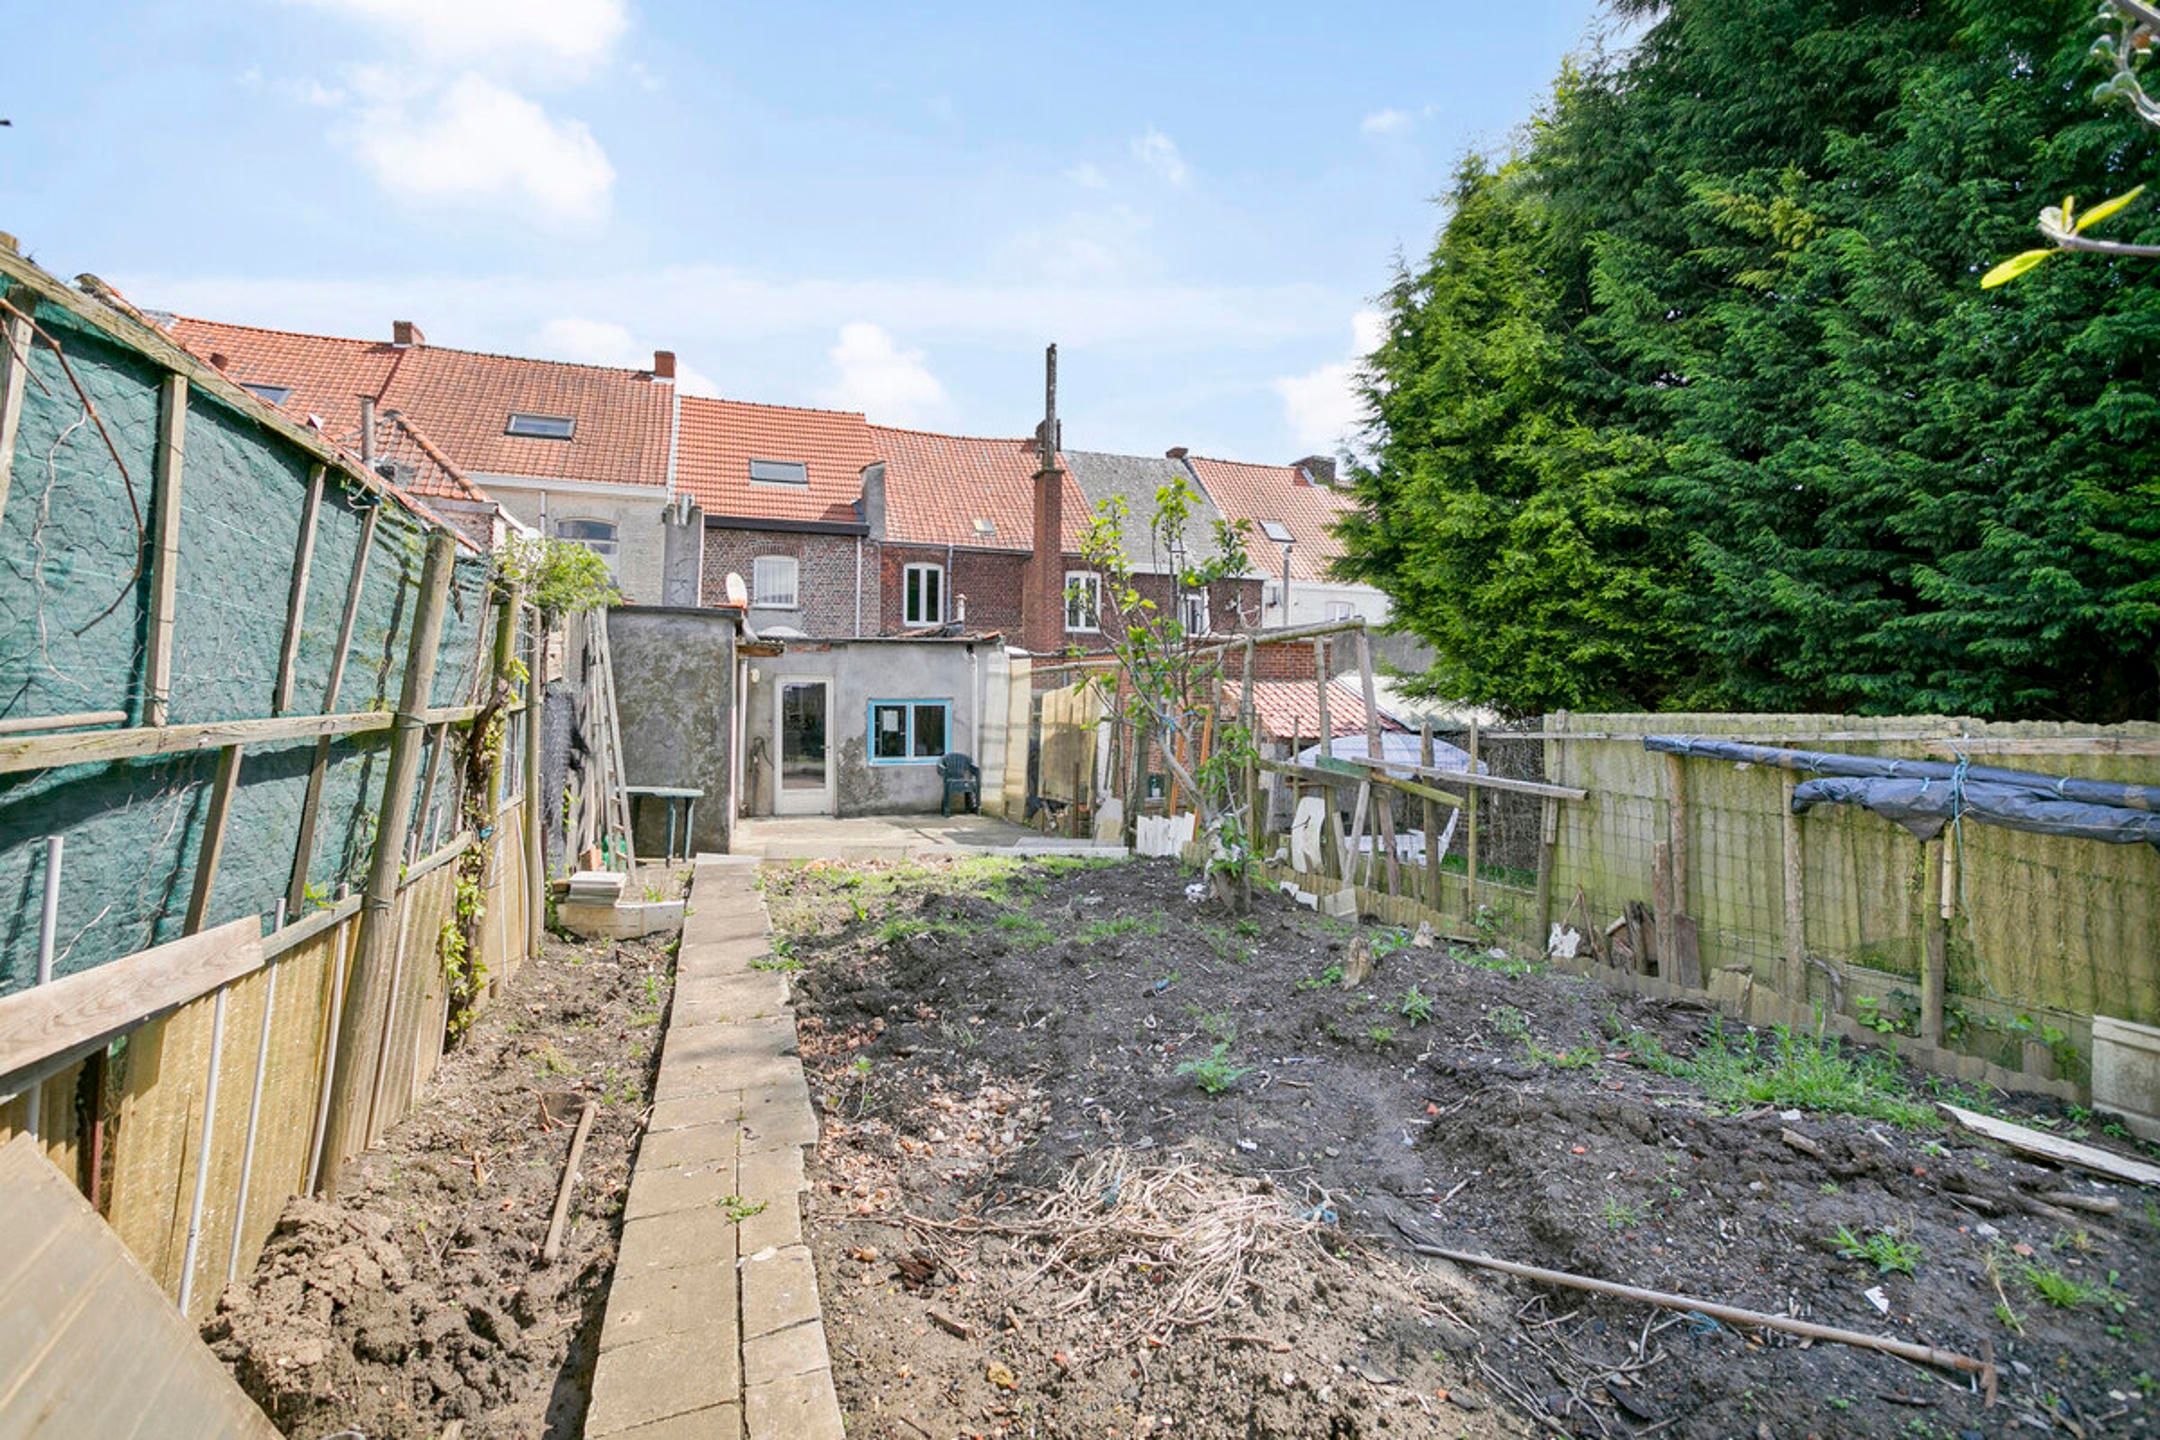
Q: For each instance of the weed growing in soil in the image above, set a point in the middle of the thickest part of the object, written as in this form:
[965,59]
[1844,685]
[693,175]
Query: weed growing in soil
[1624,1214]
[1381,1035]
[1026,931]
[738,1209]
[1095,932]
[2067,1293]
[1507,1022]
[1804,1072]
[1883,1248]
[1216,1025]
[1214,1074]
[1327,979]
[1582,1057]
[1416,1007]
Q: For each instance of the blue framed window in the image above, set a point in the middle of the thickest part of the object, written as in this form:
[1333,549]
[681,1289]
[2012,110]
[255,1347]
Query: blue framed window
[909,732]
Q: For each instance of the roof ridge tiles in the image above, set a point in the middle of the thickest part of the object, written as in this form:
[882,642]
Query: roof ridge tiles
[776,405]
[426,347]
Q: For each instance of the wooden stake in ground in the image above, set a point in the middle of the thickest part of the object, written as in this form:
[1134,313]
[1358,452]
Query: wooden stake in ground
[552,1246]
[1386,828]
[368,1000]
[165,554]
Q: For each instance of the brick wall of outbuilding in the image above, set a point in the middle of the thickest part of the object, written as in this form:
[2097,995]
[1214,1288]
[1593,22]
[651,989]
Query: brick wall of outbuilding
[824,577]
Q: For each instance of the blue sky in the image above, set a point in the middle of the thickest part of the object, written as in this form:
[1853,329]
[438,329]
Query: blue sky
[847,205]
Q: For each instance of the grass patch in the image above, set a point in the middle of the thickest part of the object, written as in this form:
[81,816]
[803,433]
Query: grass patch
[1884,1248]
[1024,930]
[1804,1072]
[2067,1293]
[1095,932]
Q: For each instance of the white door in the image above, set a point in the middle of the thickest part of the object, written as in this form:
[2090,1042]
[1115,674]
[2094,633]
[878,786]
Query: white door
[802,721]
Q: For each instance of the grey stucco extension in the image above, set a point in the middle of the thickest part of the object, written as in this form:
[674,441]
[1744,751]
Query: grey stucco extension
[961,671]
[674,684]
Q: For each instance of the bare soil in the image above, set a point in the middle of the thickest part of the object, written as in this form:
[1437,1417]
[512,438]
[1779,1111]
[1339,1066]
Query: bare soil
[418,1297]
[991,1040]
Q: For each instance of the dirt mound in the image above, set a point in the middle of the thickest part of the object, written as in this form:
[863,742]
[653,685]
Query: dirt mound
[335,1331]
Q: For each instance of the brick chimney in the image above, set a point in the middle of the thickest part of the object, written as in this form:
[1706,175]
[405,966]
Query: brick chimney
[1317,469]
[404,334]
[1176,452]
[663,365]
[1042,607]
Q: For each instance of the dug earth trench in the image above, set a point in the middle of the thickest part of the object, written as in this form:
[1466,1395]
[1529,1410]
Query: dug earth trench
[1096,1161]
[419,1297]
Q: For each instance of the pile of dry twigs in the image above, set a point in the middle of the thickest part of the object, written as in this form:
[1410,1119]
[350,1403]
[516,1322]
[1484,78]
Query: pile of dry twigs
[1156,1247]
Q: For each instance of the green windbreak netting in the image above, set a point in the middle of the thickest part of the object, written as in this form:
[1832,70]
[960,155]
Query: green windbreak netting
[74,620]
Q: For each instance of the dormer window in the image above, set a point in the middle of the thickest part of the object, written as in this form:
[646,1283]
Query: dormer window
[1276,531]
[540,427]
[273,394]
[779,472]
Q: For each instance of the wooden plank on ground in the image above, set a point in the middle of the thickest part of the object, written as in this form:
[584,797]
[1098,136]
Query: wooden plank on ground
[2056,1148]
[87,1344]
[58,1023]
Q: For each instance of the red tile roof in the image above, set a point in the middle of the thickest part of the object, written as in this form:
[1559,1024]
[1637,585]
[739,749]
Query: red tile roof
[423,469]
[938,486]
[1291,708]
[464,399]
[1255,493]
[721,437]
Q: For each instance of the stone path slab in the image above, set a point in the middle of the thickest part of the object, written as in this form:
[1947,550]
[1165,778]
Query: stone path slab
[714,1326]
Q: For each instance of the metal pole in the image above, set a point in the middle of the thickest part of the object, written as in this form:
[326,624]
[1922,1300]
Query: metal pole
[48,943]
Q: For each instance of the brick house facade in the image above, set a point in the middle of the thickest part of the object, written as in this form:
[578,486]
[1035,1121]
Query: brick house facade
[835,577]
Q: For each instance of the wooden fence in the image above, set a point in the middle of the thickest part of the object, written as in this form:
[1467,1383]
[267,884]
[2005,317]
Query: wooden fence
[189,1074]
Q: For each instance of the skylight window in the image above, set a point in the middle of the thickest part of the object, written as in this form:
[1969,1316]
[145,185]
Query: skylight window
[1277,531]
[540,427]
[779,472]
[275,394]
[985,526]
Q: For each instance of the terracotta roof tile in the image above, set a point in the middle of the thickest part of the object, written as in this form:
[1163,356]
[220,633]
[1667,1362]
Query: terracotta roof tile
[1258,493]
[938,486]
[721,437]
[1291,708]
[464,399]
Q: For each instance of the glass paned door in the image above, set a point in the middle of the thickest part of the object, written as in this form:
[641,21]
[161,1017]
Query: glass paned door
[805,756]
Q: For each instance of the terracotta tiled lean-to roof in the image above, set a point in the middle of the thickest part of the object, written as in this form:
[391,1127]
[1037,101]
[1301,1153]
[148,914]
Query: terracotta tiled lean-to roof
[721,437]
[938,486]
[462,398]
[1291,708]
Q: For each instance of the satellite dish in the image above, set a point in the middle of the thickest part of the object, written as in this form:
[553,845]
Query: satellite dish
[738,594]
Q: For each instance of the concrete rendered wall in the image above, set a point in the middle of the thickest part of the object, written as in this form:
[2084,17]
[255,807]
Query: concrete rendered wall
[860,672]
[674,686]
[638,514]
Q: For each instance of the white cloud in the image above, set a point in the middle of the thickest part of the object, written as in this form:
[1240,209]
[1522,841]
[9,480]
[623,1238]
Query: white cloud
[1088,176]
[1159,153]
[1386,122]
[603,342]
[576,33]
[479,143]
[873,374]
[1087,246]
[1322,406]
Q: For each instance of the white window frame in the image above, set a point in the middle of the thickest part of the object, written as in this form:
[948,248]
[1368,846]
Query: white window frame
[1194,604]
[1079,584]
[607,547]
[536,426]
[1339,610]
[912,613]
[794,473]
[765,594]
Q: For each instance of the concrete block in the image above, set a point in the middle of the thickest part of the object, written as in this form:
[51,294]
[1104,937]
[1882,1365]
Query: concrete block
[2126,1072]
[778,1290]
[693,1298]
[627,920]
[797,1350]
[674,1240]
[778,1116]
[801,1407]
[659,1379]
[776,1178]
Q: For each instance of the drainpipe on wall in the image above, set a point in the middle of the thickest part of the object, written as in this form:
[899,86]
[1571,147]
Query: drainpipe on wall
[858,587]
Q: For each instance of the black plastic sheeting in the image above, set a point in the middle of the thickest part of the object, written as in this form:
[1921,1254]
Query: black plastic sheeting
[1926,795]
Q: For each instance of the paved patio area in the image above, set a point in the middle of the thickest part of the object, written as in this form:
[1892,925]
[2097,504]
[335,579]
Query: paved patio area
[897,837]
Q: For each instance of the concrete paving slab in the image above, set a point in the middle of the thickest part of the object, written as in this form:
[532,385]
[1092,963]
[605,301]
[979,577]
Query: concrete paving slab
[801,1407]
[728,1042]
[797,1350]
[749,1076]
[662,1378]
[779,1289]
[724,1108]
[691,1298]
[721,1422]
[657,1191]
[675,1239]
[706,1145]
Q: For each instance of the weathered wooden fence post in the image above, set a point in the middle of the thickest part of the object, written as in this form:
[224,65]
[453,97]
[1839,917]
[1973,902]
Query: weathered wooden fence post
[535,815]
[361,1034]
